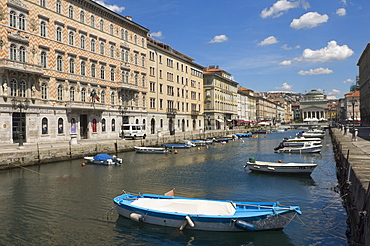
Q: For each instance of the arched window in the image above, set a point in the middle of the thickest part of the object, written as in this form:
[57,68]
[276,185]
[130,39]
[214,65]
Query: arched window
[22,89]
[93,70]
[136,79]
[59,63]
[83,95]
[142,42]
[60,92]
[44,91]
[126,35]
[82,16]
[92,21]
[72,93]
[135,39]
[143,61]
[13,52]
[102,72]
[112,50]
[102,48]
[102,97]
[103,126]
[112,74]
[71,65]
[112,98]
[60,125]
[137,121]
[13,88]
[82,42]
[101,26]
[126,55]
[111,29]
[43,59]
[43,29]
[92,45]
[73,126]
[70,11]
[58,6]
[22,54]
[143,81]
[113,125]
[93,125]
[135,58]
[71,38]
[13,19]
[59,34]
[22,22]
[83,68]
[122,34]
[44,126]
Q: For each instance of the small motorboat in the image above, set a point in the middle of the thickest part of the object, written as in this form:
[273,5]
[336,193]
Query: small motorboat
[103,159]
[203,214]
[199,142]
[221,140]
[301,139]
[280,167]
[185,145]
[151,150]
[243,135]
[308,147]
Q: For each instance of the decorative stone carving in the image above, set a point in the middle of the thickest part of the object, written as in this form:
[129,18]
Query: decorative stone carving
[18,3]
[5,88]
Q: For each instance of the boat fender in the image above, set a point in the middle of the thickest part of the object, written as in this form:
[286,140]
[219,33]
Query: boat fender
[137,217]
[191,223]
[241,224]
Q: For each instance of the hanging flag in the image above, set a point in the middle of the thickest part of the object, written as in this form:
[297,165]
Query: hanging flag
[94,96]
[170,193]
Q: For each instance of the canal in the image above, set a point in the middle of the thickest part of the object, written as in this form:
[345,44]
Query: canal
[66,203]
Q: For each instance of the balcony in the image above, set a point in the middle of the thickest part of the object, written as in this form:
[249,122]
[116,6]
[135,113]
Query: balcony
[171,112]
[7,64]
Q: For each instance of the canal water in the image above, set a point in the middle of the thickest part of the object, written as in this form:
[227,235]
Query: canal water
[66,203]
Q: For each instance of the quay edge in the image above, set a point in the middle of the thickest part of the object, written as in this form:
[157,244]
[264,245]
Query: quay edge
[353,173]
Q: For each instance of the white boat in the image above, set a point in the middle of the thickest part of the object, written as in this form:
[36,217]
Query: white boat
[301,139]
[280,167]
[315,133]
[202,214]
[308,147]
[151,150]
[103,159]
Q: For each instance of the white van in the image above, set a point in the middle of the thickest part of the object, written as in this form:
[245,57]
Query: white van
[133,131]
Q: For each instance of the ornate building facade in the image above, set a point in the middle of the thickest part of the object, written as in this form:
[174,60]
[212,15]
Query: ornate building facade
[314,106]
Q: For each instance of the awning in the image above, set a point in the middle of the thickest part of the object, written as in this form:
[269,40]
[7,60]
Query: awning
[219,120]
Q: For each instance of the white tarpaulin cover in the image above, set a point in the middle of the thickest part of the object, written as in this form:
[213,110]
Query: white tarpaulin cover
[186,206]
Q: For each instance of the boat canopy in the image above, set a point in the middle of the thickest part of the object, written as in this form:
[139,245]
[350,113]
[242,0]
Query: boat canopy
[102,157]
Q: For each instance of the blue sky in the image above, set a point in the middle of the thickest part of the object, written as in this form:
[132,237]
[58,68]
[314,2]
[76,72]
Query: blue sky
[267,45]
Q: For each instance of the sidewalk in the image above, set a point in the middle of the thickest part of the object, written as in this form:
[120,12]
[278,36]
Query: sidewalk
[362,141]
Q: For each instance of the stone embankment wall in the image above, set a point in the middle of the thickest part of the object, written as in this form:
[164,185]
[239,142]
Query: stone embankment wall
[353,173]
[33,154]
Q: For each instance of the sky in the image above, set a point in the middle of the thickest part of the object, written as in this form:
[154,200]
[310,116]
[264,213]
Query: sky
[267,45]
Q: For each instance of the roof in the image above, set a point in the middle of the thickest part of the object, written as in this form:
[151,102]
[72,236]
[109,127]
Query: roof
[314,92]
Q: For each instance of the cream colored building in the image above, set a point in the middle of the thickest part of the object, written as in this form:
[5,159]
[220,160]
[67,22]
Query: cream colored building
[246,105]
[81,67]
[220,98]
[314,106]
[175,91]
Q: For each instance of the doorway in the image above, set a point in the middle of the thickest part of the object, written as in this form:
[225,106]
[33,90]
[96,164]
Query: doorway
[83,126]
[18,126]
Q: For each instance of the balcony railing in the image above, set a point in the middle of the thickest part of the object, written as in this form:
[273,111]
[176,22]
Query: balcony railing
[8,64]
[171,111]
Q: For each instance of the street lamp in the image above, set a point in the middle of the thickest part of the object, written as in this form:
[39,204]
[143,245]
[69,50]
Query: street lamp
[353,101]
[21,104]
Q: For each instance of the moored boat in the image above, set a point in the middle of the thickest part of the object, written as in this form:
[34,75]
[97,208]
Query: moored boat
[280,167]
[151,150]
[103,159]
[243,135]
[203,214]
[186,145]
[308,147]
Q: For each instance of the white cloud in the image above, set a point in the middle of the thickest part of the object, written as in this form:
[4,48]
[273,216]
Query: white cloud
[285,87]
[219,39]
[341,12]
[331,94]
[348,81]
[157,35]
[331,53]
[286,47]
[268,41]
[344,2]
[114,8]
[309,20]
[282,6]
[316,71]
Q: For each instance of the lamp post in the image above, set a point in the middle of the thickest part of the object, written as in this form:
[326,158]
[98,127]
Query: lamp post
[22,105]
[353,101]
[121,111]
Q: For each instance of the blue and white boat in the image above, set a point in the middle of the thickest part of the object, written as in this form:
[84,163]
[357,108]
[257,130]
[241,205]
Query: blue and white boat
[243,135]
[200,142]
[203,214]
[185,145]
[103,159]
[151,150]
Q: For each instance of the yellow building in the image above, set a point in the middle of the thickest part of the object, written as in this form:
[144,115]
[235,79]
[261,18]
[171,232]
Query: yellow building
[81,68]
[175,90]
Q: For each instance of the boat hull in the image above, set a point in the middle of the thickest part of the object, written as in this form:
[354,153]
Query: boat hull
[177,146]
[298,150]
[262,221]
[288,168]
[147,150]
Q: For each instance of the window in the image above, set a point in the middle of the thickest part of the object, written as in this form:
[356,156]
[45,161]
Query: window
[135,59]
[22,54]
[122,34]
[44,123]
[60,126]
[58,7]
[113,125]
[42,3]
[43,59]
[72,93]
[22,22]
[112,51]
[82,42]
[44,91]
[59,63]
[92,21]
[71,65]
[102,97]
[142,42]
[92,45]
[143,61]
[136,79]
[22,89]
[102,72]
[13,88]
[144,101]
[82,16]
[112,74]
[59,34]
[143,82]
[152,103]
[70,11]
[71,38]
[135,39]
[101,26]
[111,29]
[73,126]
[93,70]
[93,125]
[83,95]
[83,68]
[152,86]
[60,92]
[102,48]
[103,127]
[43,29]
[13,52]
[126,35]
[112,98]
[12,19]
